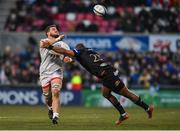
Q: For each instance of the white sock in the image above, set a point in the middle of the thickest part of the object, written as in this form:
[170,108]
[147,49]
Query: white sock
[123,114]
[55,114]
[147,110]
[49,107]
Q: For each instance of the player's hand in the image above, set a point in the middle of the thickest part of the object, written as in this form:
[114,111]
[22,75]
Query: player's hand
[60,37]
[44,43]
[67,59]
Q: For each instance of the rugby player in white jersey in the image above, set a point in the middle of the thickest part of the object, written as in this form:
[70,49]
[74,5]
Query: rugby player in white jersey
[51,71]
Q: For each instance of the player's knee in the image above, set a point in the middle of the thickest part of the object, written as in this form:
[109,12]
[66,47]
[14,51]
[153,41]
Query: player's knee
[56,86]
[55,92]
[106,95]
[46,96]
[126,93]
[56,89]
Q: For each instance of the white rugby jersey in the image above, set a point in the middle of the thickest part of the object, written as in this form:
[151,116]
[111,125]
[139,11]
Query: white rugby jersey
[51,61]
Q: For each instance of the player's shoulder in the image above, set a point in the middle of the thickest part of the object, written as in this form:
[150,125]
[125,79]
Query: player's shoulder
[44,39]
[62,44]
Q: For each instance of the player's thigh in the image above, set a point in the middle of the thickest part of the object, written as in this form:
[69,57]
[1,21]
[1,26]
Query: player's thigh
[45,83]
[124,91]
[56,79]
[114,83]
[106,92]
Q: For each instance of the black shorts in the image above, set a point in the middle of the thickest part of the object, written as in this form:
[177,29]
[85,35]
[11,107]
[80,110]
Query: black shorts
[112,81]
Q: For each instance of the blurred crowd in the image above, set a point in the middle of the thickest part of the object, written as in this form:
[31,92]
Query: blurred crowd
[140,16]
[143,16]
[137,68]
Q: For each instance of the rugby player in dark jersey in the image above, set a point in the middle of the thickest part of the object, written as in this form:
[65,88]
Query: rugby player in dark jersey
[97,66]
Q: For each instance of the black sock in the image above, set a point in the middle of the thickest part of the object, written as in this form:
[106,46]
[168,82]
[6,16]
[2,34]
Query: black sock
[119,107]
[142,104]
[116,104]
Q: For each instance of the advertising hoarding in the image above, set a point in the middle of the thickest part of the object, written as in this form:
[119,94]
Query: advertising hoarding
[34,96]
[159,42]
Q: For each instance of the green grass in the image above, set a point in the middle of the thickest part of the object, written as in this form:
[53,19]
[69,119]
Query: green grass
[35,118]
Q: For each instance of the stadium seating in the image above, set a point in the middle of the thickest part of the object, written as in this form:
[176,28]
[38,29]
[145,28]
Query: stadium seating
[82,10]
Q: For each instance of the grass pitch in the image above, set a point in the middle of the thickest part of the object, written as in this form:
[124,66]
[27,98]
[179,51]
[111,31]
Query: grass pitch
[81,118]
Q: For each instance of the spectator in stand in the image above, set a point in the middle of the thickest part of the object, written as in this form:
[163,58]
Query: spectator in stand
[34,15]
[76,81]
[135,66]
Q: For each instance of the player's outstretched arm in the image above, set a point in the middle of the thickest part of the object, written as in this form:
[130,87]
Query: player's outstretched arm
[46,42]
[60,50]
[57,39]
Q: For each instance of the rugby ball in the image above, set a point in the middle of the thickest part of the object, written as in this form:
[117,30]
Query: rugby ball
[99,10]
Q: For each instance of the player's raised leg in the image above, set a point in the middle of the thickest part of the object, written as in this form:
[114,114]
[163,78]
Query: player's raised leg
[107,94]
[48,98]
[56,84]
[137,100]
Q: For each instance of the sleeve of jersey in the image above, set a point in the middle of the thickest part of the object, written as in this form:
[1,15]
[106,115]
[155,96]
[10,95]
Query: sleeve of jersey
[76,52]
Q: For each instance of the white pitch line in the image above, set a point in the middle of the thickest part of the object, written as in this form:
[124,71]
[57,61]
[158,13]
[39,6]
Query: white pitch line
[3,117]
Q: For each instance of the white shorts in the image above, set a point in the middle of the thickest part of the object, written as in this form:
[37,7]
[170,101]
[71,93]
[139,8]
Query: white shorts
[45,79]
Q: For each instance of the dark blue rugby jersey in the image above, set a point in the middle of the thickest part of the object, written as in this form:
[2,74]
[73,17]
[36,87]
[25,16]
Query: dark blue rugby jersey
[91,61]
